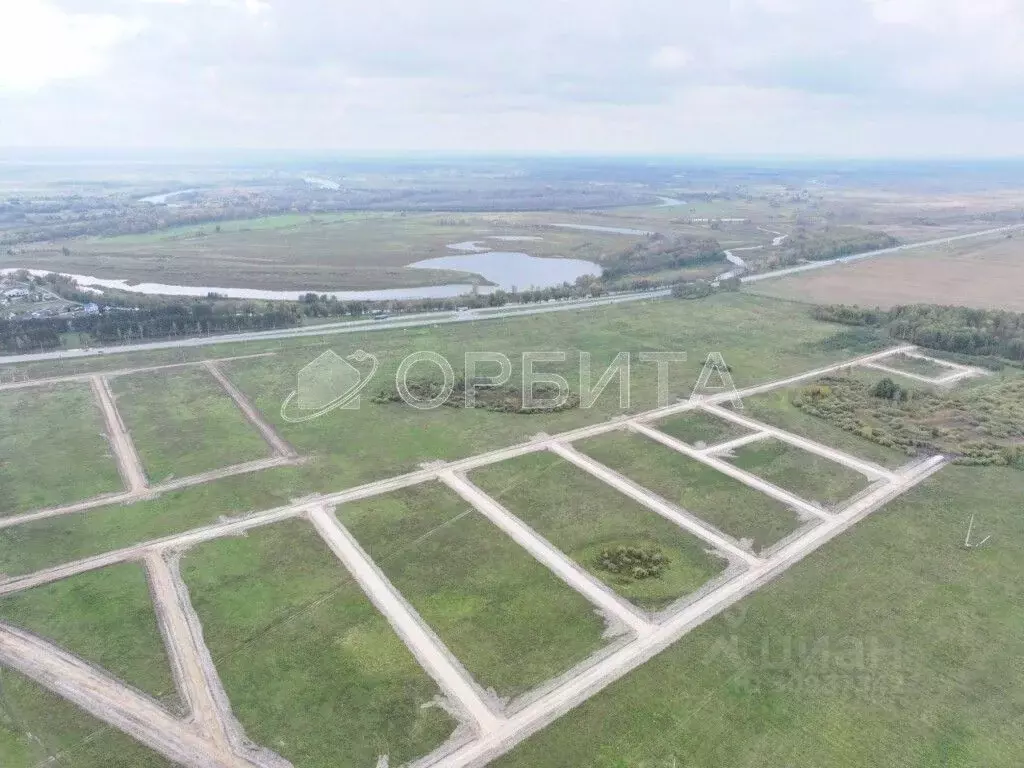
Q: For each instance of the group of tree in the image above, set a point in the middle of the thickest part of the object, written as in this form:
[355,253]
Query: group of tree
[809,243]
[659,253]
[962,330]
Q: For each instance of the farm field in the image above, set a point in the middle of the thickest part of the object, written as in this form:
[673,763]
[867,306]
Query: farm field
[105,617]
[888,647]
[52,448]
[809,476]
[984,274]
[311,668]
[183,423]
[584,517]
[510,621]
[727,504]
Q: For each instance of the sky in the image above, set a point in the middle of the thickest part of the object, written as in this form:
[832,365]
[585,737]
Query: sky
[816,78]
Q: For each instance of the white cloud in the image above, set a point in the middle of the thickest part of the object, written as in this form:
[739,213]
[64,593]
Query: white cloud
[670,58]
[40,43]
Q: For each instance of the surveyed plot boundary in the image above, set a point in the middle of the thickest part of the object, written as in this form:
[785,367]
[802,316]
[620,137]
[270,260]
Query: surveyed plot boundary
[957,372]
[210,736]
[136,484]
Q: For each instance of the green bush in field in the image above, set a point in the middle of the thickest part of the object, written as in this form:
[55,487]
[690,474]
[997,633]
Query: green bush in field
[633,563]
[980,427]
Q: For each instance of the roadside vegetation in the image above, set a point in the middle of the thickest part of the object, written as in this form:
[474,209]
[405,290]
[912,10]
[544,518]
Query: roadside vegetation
[597,527]
[312,670]
[825,243]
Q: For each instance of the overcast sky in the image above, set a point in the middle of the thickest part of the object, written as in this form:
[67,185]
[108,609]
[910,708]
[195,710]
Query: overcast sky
[726,77]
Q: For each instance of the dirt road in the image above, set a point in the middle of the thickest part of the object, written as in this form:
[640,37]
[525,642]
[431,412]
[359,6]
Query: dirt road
[275,441]
[124,449]
[432,654]
[572,693]
[615,609]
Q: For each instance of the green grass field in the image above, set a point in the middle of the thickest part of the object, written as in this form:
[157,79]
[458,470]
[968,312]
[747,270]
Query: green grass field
[52,448]
[805,474]
[312,670]
[39,728]
[511,622]
[183,423]
[892,646]
[701,429]
[727,504]
[916,365]
[761,340]
[582,516]
[107,618]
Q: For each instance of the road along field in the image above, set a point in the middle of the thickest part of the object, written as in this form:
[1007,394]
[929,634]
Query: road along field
[461,613]
[985,274]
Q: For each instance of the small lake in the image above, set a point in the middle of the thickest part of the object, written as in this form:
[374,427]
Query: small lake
[514,270]
[506,270]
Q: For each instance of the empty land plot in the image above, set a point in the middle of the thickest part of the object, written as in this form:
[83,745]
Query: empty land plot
[727,504]
[890,646]
[39,728]
[43,543]
[809,476]
[105,617]
[701,429]
[983,274]
[510,621]
[583,517]
[52,448]
[312,670]
[917,365]
[777,408]
[183,423]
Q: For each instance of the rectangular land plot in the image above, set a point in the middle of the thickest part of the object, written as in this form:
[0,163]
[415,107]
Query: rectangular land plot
[809,476]
[701,429]
[777,409]
[725,503]
[918,366]
[52,448]
[584,517]
[39,728]
[508,619]
[312,670]
[183,423]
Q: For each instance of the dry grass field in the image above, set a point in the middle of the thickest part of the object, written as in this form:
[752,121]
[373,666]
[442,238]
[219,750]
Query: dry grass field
[984,274]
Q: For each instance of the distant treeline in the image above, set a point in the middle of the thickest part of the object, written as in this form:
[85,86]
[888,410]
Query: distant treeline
[116,326]
[659,253]
[952,329]
[829,243]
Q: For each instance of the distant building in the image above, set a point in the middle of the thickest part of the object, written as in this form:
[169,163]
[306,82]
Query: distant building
[91,309]
[15,293]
